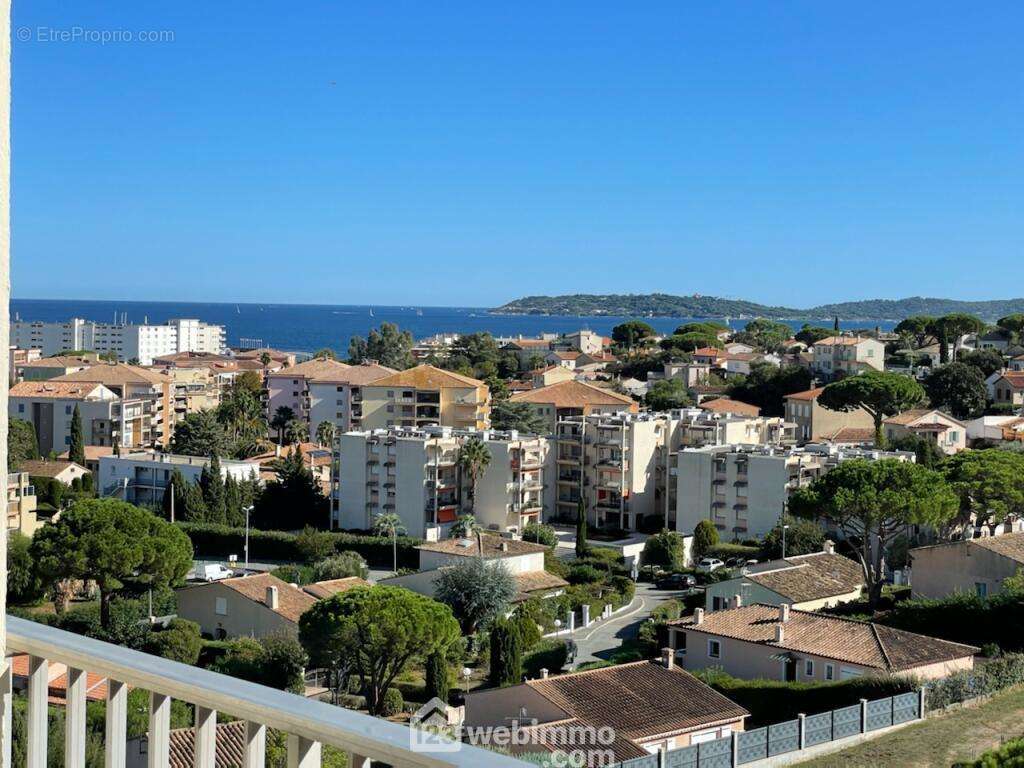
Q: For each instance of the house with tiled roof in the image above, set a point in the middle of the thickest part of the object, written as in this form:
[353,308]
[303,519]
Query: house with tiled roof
[528,350]
[805,582]
[815,423]
[259,605]
[976,566]
[839,356]
[949,434]
[54,469]
[1008,389]
[425,396]
[728,405]
[560,401]
[57,680]
[647,707]
[51,367]
[229,750]
[777,642]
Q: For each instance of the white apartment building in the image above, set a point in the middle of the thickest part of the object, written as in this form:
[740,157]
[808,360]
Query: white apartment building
[415,474]
[128,341]
[142,477]
[743,489]
[839,356]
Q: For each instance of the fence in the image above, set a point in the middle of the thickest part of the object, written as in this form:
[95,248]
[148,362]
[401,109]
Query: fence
[745,747]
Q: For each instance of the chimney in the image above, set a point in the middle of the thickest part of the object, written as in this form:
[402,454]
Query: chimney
[698,616]
[784,612]
[504,546]
[277,451]
[780,633]
[668,658]
[271,598]
[543,673]
[737,601]
[829,547]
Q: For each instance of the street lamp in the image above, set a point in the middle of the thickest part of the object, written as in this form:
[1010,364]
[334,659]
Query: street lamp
[784,529]
[466,672]
[247,510]
[558,626]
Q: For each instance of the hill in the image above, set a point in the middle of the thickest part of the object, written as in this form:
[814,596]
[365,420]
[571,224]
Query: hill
[667,305]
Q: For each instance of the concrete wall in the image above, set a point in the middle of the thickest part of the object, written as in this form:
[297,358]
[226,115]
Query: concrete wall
[945,569]
[245,618]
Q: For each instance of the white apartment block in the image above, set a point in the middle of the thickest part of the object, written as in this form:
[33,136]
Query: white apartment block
[127,341]
[142,477]
[415,474]
[744,489]
[839,356]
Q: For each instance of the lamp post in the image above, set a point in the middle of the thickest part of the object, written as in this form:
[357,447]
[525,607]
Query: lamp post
[784,529]
[466,672]
[247,510]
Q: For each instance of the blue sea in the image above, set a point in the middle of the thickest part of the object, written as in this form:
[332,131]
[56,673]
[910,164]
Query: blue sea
[309,327]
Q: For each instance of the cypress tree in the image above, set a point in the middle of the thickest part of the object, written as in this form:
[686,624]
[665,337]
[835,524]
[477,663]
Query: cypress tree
[211,481]
[581,530]
[437,676]
[76,451]
[506,654]
[233,502]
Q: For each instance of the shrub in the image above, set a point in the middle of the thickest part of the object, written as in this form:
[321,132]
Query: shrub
[964,618]
[506,654]
[727,550]
[584,574]
[665,549]
[393,702]
[180,642]
[294,574]
[540,534]
[1007,755]
[529,618]
[340,566]
[550,654]
[705,536]
[996,675]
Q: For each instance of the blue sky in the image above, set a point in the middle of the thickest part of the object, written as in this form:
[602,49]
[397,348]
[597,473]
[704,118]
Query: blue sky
[467,153]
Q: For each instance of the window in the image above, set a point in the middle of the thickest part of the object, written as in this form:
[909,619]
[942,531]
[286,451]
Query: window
[220,606]
[808,668]
[21,407]
[981,589]
[830,672]
[714,649]
[67,410]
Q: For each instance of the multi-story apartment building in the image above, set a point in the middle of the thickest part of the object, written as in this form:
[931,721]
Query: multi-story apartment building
[192,390]
[424,396]
[415,474]
[322,390]
[610,462]
[106,418]
[142,477]
[21,505]
[140,343]
[565,399]
[147,414]
[839,356]
[814,422]
[743,489]
[41,369]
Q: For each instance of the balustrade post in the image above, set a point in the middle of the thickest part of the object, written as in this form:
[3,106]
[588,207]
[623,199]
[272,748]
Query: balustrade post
[36,716]
[205,738]
[255,745]
[117,724]
[303,752]
[159,730]
[74,722]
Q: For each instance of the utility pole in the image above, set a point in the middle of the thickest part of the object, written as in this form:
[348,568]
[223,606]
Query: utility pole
[247,510]
[171,486]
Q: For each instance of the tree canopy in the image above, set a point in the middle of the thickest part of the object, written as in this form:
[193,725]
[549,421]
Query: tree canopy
[811,335]
[517,415]
[21,442]
[477,590]
[987,361]
[803,537]
[200,433]
[767,386]
[666,394]
[632,334]
[958,388]
[767,335]
[76,449]
[880,394]
[388,345]
[705,536]
[988,483]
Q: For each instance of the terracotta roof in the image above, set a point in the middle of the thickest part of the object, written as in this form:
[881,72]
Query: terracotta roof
[92,452]
[854,642]
[812,577]
[573,394]
[1014,378]
[116,374]
[1010,545]
[60,361]
[708,352]
[728,405]
[55,389]
[318,367]
[537,581]
[427,377]
[230,745]
[567,354]
[251,354]
[364,373]
[640,700]
[324,589]
[807,394]
[492,547]
[46,467]
[529,343]
[291,601]
[842,341]
[57,689]
[914,415]
[851,435]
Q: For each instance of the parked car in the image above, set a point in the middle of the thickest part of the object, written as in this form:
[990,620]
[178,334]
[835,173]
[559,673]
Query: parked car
[216,572]
[676,581]
[709,564]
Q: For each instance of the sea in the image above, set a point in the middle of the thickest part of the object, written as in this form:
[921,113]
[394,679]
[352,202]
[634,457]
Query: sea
[310,327]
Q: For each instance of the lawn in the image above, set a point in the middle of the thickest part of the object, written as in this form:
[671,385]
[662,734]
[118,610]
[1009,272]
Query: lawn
[941,741]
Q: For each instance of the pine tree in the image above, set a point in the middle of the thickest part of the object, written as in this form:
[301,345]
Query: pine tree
[437,676]
[506,654]
[211,482]
[178,486]
[76,452]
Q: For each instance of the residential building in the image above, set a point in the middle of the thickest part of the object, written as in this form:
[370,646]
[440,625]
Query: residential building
[976,566]
[54,469]
[147,416]
[992,430]
[93,454]
[130,342]
[318,459]
[587,342]
[1008,389]
[17,358]
[553,374]
[415,474]
[609,461]
[425,396]
[21,504]
[141,477]
[1016,364]
[565,399]
[192,390]
[337,395]
[803,582]
[728,405]
[649,706]
[56,681]
[49,406]
[277,358]
[839,356]
[43,368]
[258,605]
[692,374]
[744,489]
[523,559]
[814,422]
[776,642]
[949,434]
[528,351]
[222,368]
[564,358]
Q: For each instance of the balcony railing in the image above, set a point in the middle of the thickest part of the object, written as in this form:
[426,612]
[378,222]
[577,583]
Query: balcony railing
[309,724]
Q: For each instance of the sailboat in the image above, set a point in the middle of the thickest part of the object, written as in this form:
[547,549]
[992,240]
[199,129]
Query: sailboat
[371,311]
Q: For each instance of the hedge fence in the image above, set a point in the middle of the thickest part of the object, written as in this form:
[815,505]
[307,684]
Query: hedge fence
[219,541]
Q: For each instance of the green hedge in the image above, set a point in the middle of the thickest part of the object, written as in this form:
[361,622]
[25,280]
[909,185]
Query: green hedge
[774,701]
[994,676]
[219,541]
[964,618]
[550,654]
[1007,755]
[725,551]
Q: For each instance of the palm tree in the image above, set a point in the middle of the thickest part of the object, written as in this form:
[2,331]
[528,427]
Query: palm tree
[474,458]
[282,416]
[265,358]
[391,525]
[467,526]
[296,431]
[325,432]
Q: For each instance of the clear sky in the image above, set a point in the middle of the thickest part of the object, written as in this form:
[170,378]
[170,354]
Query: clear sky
[466,153]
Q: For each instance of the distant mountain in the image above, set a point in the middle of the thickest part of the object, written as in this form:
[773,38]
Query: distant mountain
[666,305]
